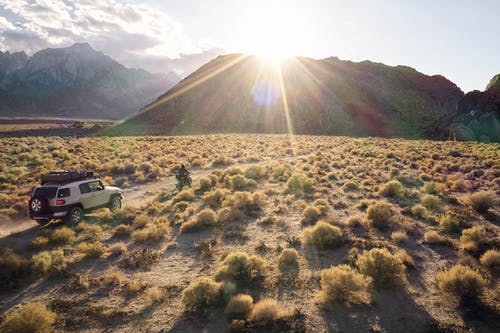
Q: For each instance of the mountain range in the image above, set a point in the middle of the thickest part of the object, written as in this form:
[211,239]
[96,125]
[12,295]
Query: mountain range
[240,93]
[76,82]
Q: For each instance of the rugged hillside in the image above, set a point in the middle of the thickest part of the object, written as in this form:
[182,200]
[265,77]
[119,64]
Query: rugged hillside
[479,114]
[74,82]
[238,93]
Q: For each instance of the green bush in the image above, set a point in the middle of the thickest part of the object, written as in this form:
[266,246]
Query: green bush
[33,317]
[481,201]
[473,238]
[462,281]
[392,189]
[322,236]
[379,214]
[344,284]
[204,292]
[382,266]
[299,184]
[239,306]
[239,266]
[449,224]
[311,214]
[205,219]
[288,261]
[431,202]
[49,262]
[266,312]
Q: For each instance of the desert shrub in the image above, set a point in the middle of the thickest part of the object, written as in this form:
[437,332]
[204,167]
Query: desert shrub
[239,183]
[181,206]
[49,262]
[391,189]
[239,306]
[267,311]
[134,286]
[432,237]
[491,259]
[255,172]
[431,202]
[472,238]
[91,249]
[141,220]
[322,236]
[399,236]
[12,265]
[155,232]
[282,172]
[350,187]
[239,266]
[39,242]
[214,198]
[89,230]
[382,266]
[204,292]
[343,284]
[155,294]
[117,248]
[430,188]
[322,205]
[299,184]
[141,258]
[449,224]
[311,215]
[355,221]
[184,195]
[419,211]
[114,277]
[379,214]
[63,235]
[481,201]
[461,281]
[206,183]
[243,203]
[122,230]
[288,261]
[32,317]
[204,219]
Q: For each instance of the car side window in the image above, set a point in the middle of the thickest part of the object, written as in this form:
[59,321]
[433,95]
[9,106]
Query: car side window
[63,192]
[84,188]
[96,186]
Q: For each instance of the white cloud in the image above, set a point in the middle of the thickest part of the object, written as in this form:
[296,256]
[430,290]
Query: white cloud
[121,30]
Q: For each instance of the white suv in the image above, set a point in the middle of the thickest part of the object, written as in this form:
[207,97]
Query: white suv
[68,195]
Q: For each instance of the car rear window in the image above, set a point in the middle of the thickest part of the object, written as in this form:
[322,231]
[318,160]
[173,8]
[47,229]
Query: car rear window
[47,192]
[63,193]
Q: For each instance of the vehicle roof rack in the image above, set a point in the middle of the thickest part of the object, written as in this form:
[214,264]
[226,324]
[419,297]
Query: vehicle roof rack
[65,176]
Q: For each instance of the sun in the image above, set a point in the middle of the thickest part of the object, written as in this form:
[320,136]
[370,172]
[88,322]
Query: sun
[275,30]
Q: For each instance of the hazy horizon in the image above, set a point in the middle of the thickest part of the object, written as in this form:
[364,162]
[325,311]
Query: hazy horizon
[449,38]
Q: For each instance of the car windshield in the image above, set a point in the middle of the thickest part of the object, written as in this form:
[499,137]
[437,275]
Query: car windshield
[47,192]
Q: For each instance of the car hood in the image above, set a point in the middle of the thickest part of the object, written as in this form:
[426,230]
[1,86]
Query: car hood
[113,188]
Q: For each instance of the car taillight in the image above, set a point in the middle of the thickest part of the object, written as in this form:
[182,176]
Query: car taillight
[61,202]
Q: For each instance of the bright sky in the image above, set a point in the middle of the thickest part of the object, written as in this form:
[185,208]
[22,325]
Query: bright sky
[456,38]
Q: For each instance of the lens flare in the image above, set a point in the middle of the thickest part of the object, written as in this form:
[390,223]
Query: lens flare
[266,93]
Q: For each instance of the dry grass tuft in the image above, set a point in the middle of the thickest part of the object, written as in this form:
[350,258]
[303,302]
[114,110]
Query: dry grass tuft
[267,311]
[481,201]
[344,284]
[63,235]
[288,261]
[462,281]
[473,238]
[33,317]
[205,219]
[204,292]
[491,259]
[239,306]
[382,266]
[379,214]
[322,236]
[49,262]
[239,266]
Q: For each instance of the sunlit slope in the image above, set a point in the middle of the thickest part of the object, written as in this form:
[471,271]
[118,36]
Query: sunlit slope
[244,94]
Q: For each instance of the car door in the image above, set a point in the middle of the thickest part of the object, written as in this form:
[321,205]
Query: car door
[93,194]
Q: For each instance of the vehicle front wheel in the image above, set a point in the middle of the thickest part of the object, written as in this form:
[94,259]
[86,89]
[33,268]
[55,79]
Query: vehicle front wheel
[75,216]
[115,203]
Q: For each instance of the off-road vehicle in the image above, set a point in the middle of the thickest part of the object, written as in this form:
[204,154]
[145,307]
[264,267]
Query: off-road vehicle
[68,194]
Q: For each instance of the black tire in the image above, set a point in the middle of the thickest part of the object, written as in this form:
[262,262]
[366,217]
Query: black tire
[42,222]
[74,216]
[38,205]
[115,203]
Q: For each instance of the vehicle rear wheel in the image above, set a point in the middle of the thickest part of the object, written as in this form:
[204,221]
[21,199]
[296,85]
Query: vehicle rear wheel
[75,216]
[42,222]
[115,203]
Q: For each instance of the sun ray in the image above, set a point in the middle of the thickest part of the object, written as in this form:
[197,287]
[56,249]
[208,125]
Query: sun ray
[287,110]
